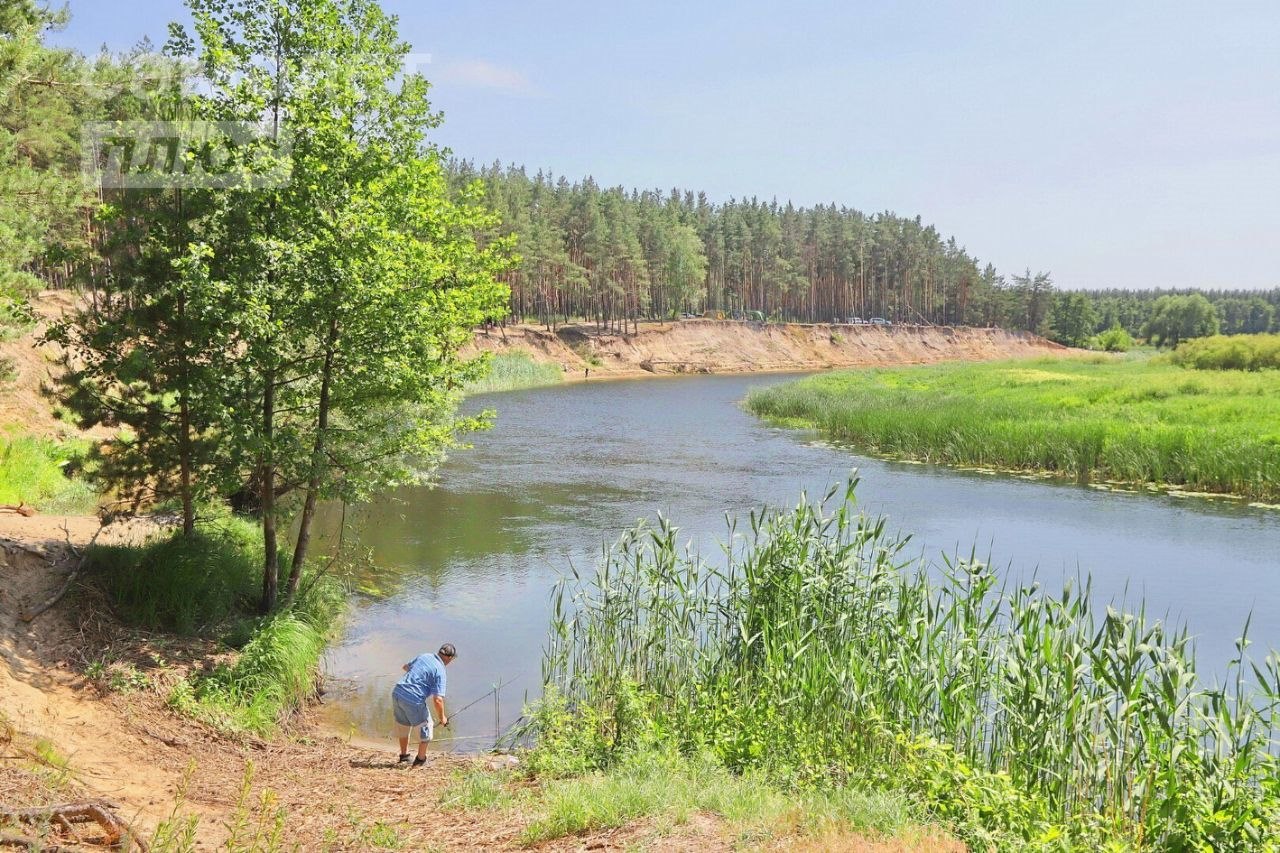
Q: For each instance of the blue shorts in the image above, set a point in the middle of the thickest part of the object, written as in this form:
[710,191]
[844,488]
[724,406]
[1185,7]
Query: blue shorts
[411,714]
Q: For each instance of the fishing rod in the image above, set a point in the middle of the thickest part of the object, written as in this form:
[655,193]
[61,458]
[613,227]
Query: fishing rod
[492,691]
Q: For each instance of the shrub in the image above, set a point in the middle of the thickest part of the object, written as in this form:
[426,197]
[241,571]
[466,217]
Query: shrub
[1233,352]
[1115,339]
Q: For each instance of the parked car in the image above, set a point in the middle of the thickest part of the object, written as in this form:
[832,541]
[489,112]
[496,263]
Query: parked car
[880,321]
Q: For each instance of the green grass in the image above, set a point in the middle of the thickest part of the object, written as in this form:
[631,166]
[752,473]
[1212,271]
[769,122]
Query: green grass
[188,586]
[1234,352]
[816,659]
[1131,421]
[209,585]
[668,789]
[510,371]
[35,471]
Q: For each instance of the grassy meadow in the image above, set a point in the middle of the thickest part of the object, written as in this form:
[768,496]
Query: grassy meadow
[816,659]
[1138,421]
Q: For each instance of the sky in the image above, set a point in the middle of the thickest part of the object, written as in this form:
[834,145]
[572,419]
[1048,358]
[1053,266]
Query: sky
[1113,144]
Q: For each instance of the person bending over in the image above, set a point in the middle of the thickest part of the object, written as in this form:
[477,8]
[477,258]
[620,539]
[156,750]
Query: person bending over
[423,681]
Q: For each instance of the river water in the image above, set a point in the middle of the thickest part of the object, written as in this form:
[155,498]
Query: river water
[565,470]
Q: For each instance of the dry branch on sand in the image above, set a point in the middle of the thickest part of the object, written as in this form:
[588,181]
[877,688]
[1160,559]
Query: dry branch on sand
[115,831]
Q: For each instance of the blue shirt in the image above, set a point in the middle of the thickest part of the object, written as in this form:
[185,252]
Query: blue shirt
[425,678]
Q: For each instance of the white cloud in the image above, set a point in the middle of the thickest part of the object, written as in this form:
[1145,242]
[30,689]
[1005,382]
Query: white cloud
[482,74]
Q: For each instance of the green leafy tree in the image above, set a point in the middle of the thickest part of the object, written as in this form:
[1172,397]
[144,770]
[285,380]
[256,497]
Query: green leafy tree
[1179,318]
[42,200]
[1072,319]
[358,279]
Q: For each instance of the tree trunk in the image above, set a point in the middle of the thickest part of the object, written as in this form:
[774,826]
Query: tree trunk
[317,463]
[271,556]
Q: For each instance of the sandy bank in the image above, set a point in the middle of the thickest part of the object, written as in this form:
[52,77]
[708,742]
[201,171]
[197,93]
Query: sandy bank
[723,346]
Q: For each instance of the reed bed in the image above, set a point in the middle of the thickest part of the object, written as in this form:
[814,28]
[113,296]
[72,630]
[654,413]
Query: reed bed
[511,371]
[813,653]
[1136,422]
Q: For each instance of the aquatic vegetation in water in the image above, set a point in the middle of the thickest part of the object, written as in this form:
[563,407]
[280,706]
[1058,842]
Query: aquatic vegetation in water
[816,656]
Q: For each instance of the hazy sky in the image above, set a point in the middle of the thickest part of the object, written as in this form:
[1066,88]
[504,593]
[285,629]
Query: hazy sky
[1113,143]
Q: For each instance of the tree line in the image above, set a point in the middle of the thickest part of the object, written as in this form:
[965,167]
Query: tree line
[616,256]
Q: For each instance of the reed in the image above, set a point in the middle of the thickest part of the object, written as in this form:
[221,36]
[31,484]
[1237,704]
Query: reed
[510,371]
[814,654]
[1136,422]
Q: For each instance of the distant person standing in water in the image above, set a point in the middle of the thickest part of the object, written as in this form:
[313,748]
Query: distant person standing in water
[423,680]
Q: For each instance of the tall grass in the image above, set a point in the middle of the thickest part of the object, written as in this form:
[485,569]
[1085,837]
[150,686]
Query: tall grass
[1234,352]
[815,655]
[184,585]
[208,585]
[36,471]
[510,371]
[1131,421]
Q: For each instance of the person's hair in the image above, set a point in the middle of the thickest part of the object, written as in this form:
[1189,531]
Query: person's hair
[447,651]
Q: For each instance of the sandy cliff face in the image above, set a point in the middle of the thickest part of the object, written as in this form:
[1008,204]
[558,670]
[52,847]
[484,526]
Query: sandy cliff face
[720,346]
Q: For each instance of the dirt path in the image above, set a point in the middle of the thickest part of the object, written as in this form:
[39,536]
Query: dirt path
[723,346]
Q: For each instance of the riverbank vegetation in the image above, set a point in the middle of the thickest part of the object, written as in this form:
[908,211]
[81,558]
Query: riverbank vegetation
[1236,352]
[513,370]
[816,656]
[206,585]
[1138,421]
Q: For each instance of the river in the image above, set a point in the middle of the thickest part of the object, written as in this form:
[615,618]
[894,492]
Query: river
[565,470]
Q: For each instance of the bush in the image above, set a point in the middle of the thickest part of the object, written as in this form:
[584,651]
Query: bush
[1115,339]
[1234,352]
[210,583]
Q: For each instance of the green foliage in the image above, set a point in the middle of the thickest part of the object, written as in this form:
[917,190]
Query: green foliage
[816,659]
[38,472]
[1072,319]
[190,585]
[206,584]
[1127,421]
[512,370]
[1113,339]
[42,199]
[614,255]
[1179,318]
[1245,315]
[1238,352]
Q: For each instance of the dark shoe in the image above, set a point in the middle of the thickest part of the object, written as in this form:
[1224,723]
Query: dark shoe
[404,756]
[418,761]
